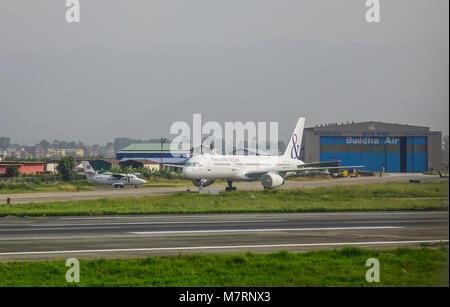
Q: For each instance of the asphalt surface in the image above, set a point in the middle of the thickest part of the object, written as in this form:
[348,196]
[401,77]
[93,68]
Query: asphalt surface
[106,192]
[141,236]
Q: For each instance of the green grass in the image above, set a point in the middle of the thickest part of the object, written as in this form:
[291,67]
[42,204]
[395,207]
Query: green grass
[435,172]
[345,267]
[389,196]
[12,188]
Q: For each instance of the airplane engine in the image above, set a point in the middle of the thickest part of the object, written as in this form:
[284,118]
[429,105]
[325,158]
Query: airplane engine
[271,181]
[201,183]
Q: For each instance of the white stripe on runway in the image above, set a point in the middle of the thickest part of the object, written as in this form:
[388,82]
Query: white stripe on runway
[152,223]
[407,221]
[343,213]
[219,247]
[58,228]
[260,230]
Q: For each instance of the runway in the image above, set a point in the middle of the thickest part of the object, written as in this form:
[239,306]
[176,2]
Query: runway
[141,236]
[107,192]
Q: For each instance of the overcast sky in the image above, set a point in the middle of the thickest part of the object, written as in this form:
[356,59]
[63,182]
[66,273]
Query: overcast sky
[133,67]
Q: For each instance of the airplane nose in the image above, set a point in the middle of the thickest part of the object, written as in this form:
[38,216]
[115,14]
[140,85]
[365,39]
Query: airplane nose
[142,181]
[186,172]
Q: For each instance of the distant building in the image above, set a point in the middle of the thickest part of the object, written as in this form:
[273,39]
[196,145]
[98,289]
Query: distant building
[155,152]
[78,152]
[34,152]
[51,167]
[93,154]
[378,146]
[63,152]
[29,168]
[109,153]
[13,152]
[53,153]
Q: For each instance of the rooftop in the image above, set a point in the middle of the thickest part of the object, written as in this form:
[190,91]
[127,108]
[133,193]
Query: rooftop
[21,162]
[173,160]
[143,161]
[153,147]
[370,126]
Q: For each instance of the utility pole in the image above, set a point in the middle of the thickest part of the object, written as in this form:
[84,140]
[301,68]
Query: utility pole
[161,153]
[160,164]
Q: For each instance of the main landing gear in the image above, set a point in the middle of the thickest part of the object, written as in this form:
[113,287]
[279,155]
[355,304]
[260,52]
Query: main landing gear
[230,187]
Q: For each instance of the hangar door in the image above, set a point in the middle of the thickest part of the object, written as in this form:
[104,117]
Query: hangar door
[394,154]
[416,154]
[403,154]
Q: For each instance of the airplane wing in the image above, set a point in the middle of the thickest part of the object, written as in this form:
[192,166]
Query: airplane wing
[301,169]
[118,175]
[256,174]
[321,164]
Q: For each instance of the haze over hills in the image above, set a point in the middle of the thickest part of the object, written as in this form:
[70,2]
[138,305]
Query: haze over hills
[96,93]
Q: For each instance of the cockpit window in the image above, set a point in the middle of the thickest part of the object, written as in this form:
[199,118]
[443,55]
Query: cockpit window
[192,164]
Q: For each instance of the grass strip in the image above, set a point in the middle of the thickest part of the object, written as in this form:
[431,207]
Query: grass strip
[389,196]
[14,188]
[345,267]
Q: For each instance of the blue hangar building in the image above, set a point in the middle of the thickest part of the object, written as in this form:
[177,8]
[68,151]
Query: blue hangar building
[393,148]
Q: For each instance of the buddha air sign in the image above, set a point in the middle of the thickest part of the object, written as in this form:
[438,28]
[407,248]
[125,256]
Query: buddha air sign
[372,141]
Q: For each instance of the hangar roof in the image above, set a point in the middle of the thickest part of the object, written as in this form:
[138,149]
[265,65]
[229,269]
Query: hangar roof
[370,126]
[143,161]
[173,160]
[152,147]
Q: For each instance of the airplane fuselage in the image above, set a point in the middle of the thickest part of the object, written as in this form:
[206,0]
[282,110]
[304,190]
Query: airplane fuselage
[120,180]
[236,167]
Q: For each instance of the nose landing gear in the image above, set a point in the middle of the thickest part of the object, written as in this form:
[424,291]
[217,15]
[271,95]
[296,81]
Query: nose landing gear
[230,187]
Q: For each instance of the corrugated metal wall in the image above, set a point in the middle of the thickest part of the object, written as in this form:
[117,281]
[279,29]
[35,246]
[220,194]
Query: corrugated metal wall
[100,165]
[376,152]
[141,155]
[417,156]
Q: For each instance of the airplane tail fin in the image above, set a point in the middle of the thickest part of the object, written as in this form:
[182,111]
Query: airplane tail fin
[295,142]
[87,168]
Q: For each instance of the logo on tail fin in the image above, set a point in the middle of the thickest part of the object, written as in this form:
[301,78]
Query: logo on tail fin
[87,168]
[295,150]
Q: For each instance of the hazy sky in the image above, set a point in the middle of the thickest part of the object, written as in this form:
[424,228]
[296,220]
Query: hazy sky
[133,67]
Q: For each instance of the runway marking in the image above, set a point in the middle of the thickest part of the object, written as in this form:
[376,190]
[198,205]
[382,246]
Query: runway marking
[409,221]
[61,228]
[260,230]
[254,215]
[218,247]
[154,223]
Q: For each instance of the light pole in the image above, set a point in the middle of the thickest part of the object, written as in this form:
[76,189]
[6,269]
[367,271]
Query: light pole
[161,153]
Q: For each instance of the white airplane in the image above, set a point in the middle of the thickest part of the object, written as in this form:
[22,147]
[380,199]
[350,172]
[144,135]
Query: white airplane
[116,180]
[204,169]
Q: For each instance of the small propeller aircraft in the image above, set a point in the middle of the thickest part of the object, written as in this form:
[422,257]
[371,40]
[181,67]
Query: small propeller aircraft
[116,180]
